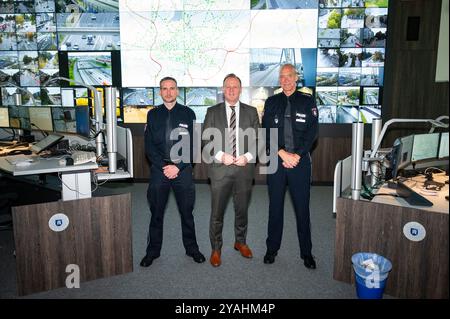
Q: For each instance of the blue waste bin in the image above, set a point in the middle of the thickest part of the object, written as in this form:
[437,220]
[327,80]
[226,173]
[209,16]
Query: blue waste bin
[371,273]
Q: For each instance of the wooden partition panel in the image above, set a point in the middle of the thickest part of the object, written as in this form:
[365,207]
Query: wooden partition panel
[97,240]
[328,151]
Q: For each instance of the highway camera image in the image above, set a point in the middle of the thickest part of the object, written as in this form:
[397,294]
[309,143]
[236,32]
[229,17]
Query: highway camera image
[265,65]
[88,31]
[92,68]
[91,6]
[284,4]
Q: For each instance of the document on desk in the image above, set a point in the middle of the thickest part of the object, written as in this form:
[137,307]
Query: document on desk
[17,159]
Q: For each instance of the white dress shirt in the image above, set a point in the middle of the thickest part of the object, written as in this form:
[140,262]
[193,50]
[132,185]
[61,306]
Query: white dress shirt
[228,111]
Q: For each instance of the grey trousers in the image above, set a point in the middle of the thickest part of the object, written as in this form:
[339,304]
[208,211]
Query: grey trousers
[240,188]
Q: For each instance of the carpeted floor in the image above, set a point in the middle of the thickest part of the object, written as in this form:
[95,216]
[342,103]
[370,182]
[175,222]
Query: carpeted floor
[175,276]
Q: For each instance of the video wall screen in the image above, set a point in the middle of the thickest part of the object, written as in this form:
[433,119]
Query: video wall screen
[337,47]
[91,68]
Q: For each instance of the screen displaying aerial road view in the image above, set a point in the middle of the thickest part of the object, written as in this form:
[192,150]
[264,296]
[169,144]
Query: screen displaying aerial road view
[92,68]
[88,31]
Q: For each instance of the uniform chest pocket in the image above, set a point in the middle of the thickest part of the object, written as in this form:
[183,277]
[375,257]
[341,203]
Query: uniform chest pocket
[158,133]
[300,121]
[182,129]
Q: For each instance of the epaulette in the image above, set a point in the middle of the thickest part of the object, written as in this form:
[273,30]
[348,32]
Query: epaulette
[305,90]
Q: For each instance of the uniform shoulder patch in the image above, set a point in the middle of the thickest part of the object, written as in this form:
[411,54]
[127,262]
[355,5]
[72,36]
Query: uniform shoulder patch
[305,90]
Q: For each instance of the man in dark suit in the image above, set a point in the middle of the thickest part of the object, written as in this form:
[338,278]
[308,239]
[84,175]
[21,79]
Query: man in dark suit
[231,168]
[294,114]
[170,171]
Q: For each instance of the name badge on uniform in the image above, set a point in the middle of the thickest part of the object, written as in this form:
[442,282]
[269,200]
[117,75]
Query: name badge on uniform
[300,117]
[181,131]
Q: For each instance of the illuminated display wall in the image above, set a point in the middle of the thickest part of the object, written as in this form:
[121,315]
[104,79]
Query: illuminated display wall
[338,47]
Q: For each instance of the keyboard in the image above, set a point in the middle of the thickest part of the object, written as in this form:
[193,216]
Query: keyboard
[81,157]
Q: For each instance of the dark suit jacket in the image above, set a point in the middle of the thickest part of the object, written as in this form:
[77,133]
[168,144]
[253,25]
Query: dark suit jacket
[216,117]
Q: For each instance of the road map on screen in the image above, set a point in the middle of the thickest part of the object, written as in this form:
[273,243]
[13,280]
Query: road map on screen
[199,42]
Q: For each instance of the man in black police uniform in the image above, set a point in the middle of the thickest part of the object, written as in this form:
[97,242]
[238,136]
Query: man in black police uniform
[294,114]
[168,172]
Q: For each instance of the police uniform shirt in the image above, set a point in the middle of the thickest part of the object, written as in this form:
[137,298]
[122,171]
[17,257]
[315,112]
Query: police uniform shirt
[160,123]
[304,120]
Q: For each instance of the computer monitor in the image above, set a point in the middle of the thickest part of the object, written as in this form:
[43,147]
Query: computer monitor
[83,120]
[41,118]
[401,154]
[4,117]
[443,145]
[19,117]
[425,147]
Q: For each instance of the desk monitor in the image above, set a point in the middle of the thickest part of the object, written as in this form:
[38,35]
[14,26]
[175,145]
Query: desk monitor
[83,120]
[401,154]
[4,117]
[425,147]
[19,117]
[45,143]
[41,118]
[443,145]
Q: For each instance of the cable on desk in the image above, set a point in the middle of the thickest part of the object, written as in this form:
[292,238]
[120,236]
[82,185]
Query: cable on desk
[380,178]
[95,181]
[433,168]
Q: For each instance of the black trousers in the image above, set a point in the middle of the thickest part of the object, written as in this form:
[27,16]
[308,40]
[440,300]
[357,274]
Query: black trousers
[157,196]
[298,179]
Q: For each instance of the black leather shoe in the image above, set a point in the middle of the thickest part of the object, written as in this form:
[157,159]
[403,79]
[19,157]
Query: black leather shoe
[309,262]
[269,258]
[147,261]
[197,256]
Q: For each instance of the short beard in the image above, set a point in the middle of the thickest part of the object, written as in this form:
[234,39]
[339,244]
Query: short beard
[171,101]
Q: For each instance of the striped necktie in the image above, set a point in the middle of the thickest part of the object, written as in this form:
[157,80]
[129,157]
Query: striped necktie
[233,130]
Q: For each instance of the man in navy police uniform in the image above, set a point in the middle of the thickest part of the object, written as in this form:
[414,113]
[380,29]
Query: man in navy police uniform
[168,172]
[294,114]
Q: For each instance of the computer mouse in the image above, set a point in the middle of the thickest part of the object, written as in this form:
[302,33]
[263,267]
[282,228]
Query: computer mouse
[17,152]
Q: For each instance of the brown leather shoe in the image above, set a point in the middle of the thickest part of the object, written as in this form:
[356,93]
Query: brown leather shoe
[244,250]
[215,258]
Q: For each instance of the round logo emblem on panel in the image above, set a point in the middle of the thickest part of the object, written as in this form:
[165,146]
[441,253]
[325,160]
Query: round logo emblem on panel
[58,222]
[414,231]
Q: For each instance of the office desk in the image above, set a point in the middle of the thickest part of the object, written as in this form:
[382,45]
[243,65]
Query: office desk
[76,179]
[440,204]
[419,268]
[97,240]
